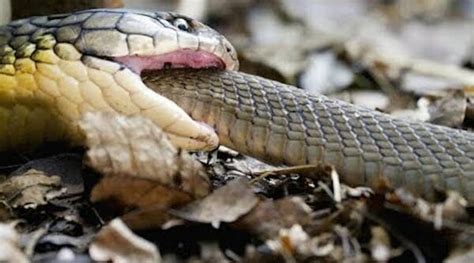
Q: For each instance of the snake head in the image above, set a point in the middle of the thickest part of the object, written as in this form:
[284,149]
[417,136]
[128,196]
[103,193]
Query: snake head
[117,45]
[92,60]
[150,41]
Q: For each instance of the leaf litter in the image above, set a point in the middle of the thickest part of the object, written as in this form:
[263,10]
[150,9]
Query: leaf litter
[30,190]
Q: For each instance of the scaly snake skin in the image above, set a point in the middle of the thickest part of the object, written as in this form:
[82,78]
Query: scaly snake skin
[54,69]
[282,124]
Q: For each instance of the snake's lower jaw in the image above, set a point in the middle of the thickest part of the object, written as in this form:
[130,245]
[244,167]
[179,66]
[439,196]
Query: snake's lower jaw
[182,130]
[206,142]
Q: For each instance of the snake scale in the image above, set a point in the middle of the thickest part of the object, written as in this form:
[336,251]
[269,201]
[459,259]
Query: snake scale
[55,69]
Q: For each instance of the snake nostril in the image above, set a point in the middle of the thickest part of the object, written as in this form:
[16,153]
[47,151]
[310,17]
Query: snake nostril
[228,49]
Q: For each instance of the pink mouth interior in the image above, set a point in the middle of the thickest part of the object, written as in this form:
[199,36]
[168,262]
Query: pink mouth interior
[177,59]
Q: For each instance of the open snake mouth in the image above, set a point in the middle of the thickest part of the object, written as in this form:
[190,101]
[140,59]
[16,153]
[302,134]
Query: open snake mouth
[182,129]
[184,58]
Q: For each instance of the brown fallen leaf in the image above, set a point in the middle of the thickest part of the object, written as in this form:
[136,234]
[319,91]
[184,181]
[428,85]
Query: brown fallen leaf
[152,217]
[142,168]
[10,250]
[117,243]
[122,194]
[269,216]
[226,204]
[30,189]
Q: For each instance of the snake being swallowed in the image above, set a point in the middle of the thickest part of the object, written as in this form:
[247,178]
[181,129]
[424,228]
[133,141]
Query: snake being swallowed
[54,69]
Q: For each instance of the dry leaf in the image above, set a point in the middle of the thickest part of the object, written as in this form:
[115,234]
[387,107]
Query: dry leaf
[30,189]
[269,216]
[10,251]
[121,194]
[68,166]
[226,204]
[116,243]
[152,217]
[136,147]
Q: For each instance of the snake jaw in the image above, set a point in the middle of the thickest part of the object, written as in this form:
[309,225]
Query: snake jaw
[207,139]
[183,131]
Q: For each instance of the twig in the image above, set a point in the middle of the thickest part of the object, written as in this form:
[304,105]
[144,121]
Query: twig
[336,186]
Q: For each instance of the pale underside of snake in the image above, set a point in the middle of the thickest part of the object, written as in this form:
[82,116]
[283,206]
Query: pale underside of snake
[54,69]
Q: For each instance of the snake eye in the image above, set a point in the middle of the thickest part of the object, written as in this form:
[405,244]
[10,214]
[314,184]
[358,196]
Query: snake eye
[181,24]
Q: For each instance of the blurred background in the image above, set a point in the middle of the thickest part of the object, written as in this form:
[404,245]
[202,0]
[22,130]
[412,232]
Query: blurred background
[411,58]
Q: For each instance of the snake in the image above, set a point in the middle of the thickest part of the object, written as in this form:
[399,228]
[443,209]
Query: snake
[183,75]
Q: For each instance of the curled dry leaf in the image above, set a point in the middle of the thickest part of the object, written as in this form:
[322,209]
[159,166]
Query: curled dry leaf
[135,146]
[226,204]
[142,167]
[117,243]
[30,189]
[10,251]
[68,166]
